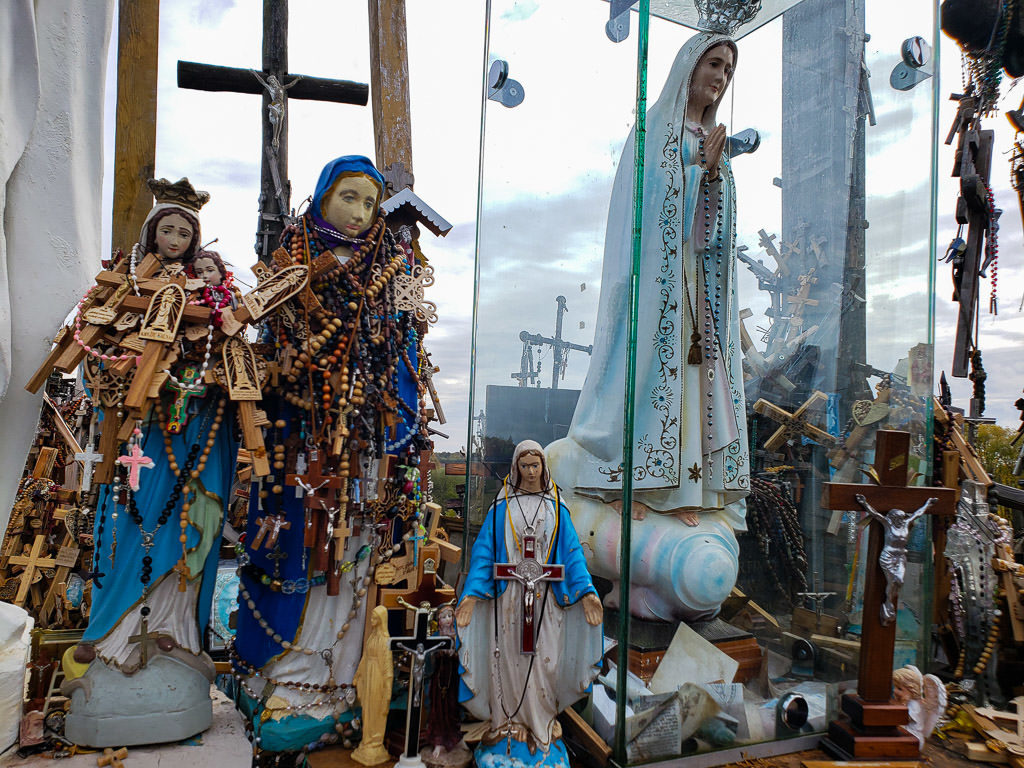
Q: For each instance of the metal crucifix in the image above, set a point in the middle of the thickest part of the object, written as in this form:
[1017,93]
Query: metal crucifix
[277,85]
[531,573]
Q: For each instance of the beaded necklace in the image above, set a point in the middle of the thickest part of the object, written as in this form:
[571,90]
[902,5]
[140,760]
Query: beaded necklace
[712,308]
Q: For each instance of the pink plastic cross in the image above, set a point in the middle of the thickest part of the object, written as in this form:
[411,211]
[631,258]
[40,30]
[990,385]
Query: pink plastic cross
[135,461]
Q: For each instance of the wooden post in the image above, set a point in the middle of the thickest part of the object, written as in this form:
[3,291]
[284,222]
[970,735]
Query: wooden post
[138,31]
[389,89]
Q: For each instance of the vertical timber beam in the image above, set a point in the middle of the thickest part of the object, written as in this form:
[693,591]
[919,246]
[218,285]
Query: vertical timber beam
[138,31]
[389,87]
[275,62]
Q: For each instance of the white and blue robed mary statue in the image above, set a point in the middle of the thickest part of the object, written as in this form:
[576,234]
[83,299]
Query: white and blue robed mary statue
[691,467]
[529,620]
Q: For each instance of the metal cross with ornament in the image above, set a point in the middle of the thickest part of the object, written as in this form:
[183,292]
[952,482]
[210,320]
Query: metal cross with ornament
[419,646]
[531,573]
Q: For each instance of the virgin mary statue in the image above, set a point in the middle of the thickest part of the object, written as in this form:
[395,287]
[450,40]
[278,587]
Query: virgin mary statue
[690,456]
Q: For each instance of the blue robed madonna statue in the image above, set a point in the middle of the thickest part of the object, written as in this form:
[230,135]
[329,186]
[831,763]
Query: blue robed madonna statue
[690,452]
[529,619]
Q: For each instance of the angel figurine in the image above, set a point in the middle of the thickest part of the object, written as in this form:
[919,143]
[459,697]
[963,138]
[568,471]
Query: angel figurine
[925,697]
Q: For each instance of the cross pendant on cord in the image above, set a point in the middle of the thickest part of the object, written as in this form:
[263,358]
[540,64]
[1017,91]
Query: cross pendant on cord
[529,572]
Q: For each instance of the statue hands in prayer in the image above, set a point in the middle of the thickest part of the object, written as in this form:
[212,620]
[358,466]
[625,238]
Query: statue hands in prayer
[691,464]
[530,650]
[924,696]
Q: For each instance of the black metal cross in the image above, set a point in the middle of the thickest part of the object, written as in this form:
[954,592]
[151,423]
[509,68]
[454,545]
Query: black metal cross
[559,347]
[277,85]
[419,647]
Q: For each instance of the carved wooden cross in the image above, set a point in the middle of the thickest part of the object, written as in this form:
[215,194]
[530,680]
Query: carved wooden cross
[317,491]
[419,646]
[112,758]
[974,166]
[275,189]
[32,562]
[270,527]
[793,424]
[873,720]
[143,639]
[530,573]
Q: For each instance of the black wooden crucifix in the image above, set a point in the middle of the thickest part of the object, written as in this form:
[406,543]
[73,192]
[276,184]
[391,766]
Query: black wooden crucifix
[419,646]
[973,166]
[277,85]
[871,723]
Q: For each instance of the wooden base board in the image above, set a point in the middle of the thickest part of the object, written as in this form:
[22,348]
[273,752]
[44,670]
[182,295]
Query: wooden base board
[847,742]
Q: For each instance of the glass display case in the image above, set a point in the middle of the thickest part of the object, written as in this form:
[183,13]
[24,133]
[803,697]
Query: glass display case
[701,347]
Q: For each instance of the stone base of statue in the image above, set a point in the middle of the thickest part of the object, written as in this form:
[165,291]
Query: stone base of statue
[499,755]
[167,700]
[439,757]
[683,573]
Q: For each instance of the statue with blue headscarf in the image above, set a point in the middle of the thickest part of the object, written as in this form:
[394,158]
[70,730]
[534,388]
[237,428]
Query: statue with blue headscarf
[345,433]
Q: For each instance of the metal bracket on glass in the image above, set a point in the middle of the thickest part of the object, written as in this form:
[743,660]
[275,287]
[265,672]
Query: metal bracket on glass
[617,27]
[747,140]
[501,88]
[916,54]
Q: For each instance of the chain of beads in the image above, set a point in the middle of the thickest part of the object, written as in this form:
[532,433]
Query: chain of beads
[78,332]
[711,310]
[992,248]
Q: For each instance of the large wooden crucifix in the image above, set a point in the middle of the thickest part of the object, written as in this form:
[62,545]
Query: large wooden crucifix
[277,85]
[531,574]
[973,166]
[872,720]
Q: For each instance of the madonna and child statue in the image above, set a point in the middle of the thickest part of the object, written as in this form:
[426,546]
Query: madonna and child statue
[691,467]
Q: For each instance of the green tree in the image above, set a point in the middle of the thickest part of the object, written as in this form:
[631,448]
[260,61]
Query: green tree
[996,454]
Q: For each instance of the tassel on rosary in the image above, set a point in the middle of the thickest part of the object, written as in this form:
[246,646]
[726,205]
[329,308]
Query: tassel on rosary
[694,356]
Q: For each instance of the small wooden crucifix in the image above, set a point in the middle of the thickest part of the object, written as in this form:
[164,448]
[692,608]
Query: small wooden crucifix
[871,724]
[317,491]
[277,85]
[32,562]
[419,646]
[530,573]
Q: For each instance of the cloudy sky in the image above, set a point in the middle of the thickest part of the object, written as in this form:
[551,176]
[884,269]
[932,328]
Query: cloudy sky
[548,166]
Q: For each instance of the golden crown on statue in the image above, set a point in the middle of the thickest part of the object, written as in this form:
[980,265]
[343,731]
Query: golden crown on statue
[724,16]
[180,193]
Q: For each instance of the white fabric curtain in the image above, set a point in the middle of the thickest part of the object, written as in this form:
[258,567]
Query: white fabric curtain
[53,57]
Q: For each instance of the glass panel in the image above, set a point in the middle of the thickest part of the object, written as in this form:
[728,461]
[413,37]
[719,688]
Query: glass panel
[554,134]
[765,365]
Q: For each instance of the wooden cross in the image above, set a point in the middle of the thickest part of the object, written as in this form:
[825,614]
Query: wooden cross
[112,758]
[871,725]
[143,639]
[32,562]
[422,578]
[419,646]
[974,166]
[530,573]
[316,489]
[793,424]
[274,186]
[270,527]
[801,301]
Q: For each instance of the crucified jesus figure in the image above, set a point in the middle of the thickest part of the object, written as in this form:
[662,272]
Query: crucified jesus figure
[278,103]
[893,559]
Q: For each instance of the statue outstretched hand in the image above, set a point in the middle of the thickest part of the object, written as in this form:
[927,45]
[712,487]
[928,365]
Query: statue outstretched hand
[464,613]
[592,609]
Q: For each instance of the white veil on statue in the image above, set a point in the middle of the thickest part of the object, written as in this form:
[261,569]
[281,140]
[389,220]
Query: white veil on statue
[676,466]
